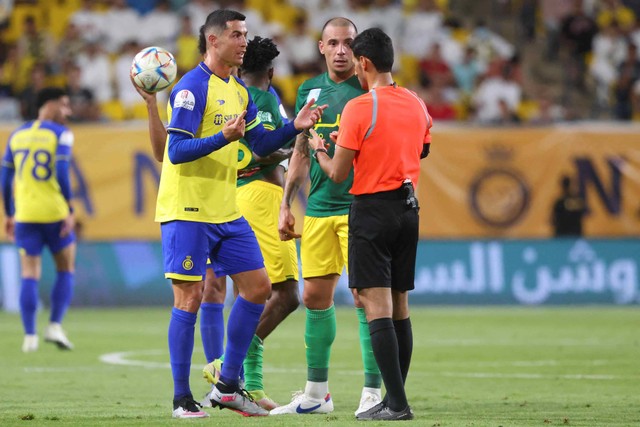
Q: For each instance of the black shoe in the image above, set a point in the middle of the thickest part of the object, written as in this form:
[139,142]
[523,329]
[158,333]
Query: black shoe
[375,408]
[186,407]
[384,413]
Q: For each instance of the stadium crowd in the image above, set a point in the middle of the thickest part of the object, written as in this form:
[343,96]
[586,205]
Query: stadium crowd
[528,61]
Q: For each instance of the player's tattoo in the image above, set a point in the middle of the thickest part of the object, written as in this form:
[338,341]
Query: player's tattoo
[302,144]
[293,188]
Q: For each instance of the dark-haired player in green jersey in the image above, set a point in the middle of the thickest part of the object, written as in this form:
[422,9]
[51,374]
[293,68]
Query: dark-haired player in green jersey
[260,183]
[325,231]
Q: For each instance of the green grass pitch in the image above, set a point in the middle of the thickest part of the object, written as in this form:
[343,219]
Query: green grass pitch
[489,366]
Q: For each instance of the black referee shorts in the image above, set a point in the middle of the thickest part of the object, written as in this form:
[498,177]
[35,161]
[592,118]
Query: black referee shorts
[383,239]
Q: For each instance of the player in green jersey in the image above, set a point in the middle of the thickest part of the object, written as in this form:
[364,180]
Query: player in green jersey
[325,230]
[260,189]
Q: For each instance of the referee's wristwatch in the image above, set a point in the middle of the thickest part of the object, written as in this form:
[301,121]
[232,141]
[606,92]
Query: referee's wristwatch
[319,150]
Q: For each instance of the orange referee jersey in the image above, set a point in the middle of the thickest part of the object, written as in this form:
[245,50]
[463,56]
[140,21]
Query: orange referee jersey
[387,127]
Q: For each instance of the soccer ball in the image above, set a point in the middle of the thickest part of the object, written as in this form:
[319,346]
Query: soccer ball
[153,69]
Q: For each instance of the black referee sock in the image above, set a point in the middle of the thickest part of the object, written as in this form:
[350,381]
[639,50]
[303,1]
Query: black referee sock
[405,345]
[385,349]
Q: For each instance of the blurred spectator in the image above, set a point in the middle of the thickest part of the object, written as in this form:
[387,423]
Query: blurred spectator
[507,115]
[547,111]
[634,5]
[577,32]
[282,63]
[437,104]
[609,51]
[568,211]
[121,24]
[628,75]
[613,11]
[186,53]
[83,105]
[635,100]
[553,13]
[69,47]
[254,20]
[9,69]
[159,27]
[125,93]
[35,45]
[422,28]
[96,72]
[88,20]
[488,45]
[28,97]
[496,97]
[143,6]
[467,72]
[323,11]
[528,20]
[434,69]
[387,14]
[302,48]
[198,10]
[449,38]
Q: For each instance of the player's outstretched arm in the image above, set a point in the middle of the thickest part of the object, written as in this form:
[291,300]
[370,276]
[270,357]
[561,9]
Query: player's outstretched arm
[157,131]
[298,171]
[307,116]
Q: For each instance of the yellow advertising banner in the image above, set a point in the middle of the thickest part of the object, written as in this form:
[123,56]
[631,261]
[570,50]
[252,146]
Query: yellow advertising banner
[476,183]
[488,183]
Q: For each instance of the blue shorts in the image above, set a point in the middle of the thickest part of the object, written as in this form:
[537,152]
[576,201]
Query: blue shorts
[186,246]
[31,237]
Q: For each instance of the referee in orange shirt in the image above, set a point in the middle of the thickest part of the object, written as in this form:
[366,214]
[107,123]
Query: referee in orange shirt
[384,134]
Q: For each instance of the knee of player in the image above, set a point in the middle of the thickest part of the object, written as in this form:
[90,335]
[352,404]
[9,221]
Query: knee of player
[290,298]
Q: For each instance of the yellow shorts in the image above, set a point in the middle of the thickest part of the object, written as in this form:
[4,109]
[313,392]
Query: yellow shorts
[324,245]
[259,203]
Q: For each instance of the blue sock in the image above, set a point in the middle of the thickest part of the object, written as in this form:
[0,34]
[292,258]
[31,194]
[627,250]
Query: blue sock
[29,305]
[181,330]
[212,330]
[241,326]
[61,295]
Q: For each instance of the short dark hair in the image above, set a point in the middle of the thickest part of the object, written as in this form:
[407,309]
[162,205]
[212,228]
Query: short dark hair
[217,20]
[259,55]
[49,94]
[375,45]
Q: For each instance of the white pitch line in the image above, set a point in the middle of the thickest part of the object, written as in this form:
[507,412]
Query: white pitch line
[125,358]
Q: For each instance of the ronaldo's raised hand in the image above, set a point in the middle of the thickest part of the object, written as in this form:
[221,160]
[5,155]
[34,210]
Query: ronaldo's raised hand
[307,117]
[233,129]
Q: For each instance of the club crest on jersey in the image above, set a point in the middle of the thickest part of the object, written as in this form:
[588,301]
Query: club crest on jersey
[314,94]
[187,264]
[184,99]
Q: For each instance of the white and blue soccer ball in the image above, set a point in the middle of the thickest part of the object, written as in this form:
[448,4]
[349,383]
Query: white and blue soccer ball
[153,69]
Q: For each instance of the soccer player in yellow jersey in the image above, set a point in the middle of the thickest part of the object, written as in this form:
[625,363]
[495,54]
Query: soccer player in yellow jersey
[210,110]
[260,182]
[36,194]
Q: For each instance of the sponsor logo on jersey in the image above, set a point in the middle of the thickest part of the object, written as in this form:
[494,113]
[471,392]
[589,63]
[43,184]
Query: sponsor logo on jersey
[220,101]
[184,99]
[219,119]
[187,264]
